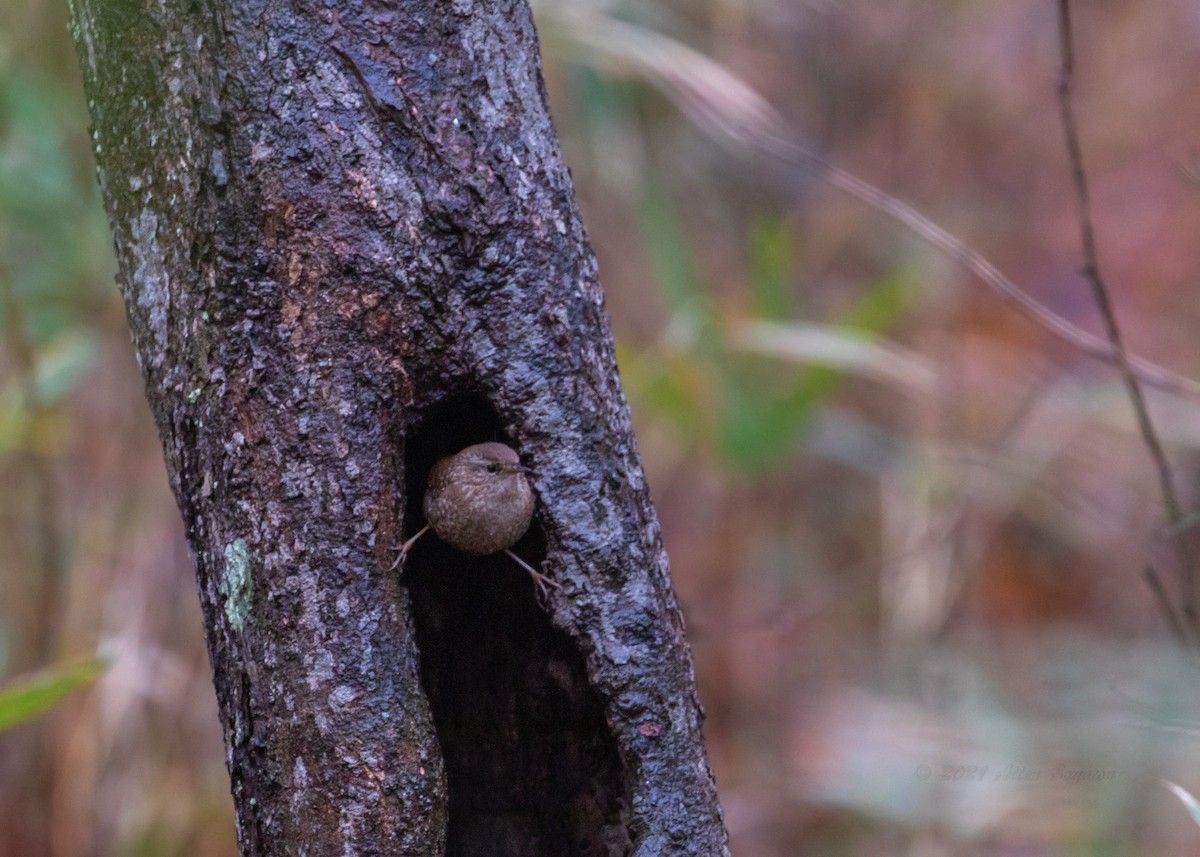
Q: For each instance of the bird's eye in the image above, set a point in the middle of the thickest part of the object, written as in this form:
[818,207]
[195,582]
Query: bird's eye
[493,468]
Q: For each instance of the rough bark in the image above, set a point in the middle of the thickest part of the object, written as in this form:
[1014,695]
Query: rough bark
[348,245]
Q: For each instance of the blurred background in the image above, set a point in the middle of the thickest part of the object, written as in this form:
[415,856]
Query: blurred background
[908,526]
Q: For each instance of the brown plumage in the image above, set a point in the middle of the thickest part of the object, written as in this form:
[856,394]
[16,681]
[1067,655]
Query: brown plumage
[479,501]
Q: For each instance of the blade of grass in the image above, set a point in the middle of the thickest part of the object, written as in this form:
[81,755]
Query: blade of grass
[27,697]
[1185,797]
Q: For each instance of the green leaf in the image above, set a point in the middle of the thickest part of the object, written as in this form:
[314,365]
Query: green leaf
[767,408]
[771,267]
[884,305]
[671,384]
[14,418]
[26,698]
[673,263]
[758,423]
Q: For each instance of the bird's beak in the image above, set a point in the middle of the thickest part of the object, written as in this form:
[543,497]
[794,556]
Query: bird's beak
[521,468]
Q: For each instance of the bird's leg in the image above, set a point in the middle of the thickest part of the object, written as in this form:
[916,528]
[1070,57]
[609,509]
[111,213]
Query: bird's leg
[402,551]
[538,578]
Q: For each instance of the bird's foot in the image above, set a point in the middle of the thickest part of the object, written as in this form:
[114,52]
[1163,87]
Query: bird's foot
[543,583]
[402,551]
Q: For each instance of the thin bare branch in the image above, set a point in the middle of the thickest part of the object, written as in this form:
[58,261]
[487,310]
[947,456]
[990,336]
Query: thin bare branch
[1091,272]
[1090,344]
[1164,604]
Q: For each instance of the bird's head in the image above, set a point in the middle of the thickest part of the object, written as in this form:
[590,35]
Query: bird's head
[490,461]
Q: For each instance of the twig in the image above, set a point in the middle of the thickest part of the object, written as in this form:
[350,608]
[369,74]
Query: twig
[1091,272]
[1164,604]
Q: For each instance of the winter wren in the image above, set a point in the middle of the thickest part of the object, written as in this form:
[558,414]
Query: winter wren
[479,502]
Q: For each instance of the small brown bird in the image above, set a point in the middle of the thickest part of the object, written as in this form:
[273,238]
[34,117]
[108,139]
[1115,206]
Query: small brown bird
[478,501]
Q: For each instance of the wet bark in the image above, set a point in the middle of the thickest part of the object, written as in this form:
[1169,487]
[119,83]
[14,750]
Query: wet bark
[348,245]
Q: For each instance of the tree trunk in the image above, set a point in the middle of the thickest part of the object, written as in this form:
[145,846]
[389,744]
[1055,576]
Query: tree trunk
[348,246]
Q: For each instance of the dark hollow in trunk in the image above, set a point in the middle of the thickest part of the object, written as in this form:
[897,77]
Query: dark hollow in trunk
[531,766]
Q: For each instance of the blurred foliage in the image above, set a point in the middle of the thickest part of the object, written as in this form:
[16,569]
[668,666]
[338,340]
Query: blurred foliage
[748,410]
[55,262]
[56,252]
